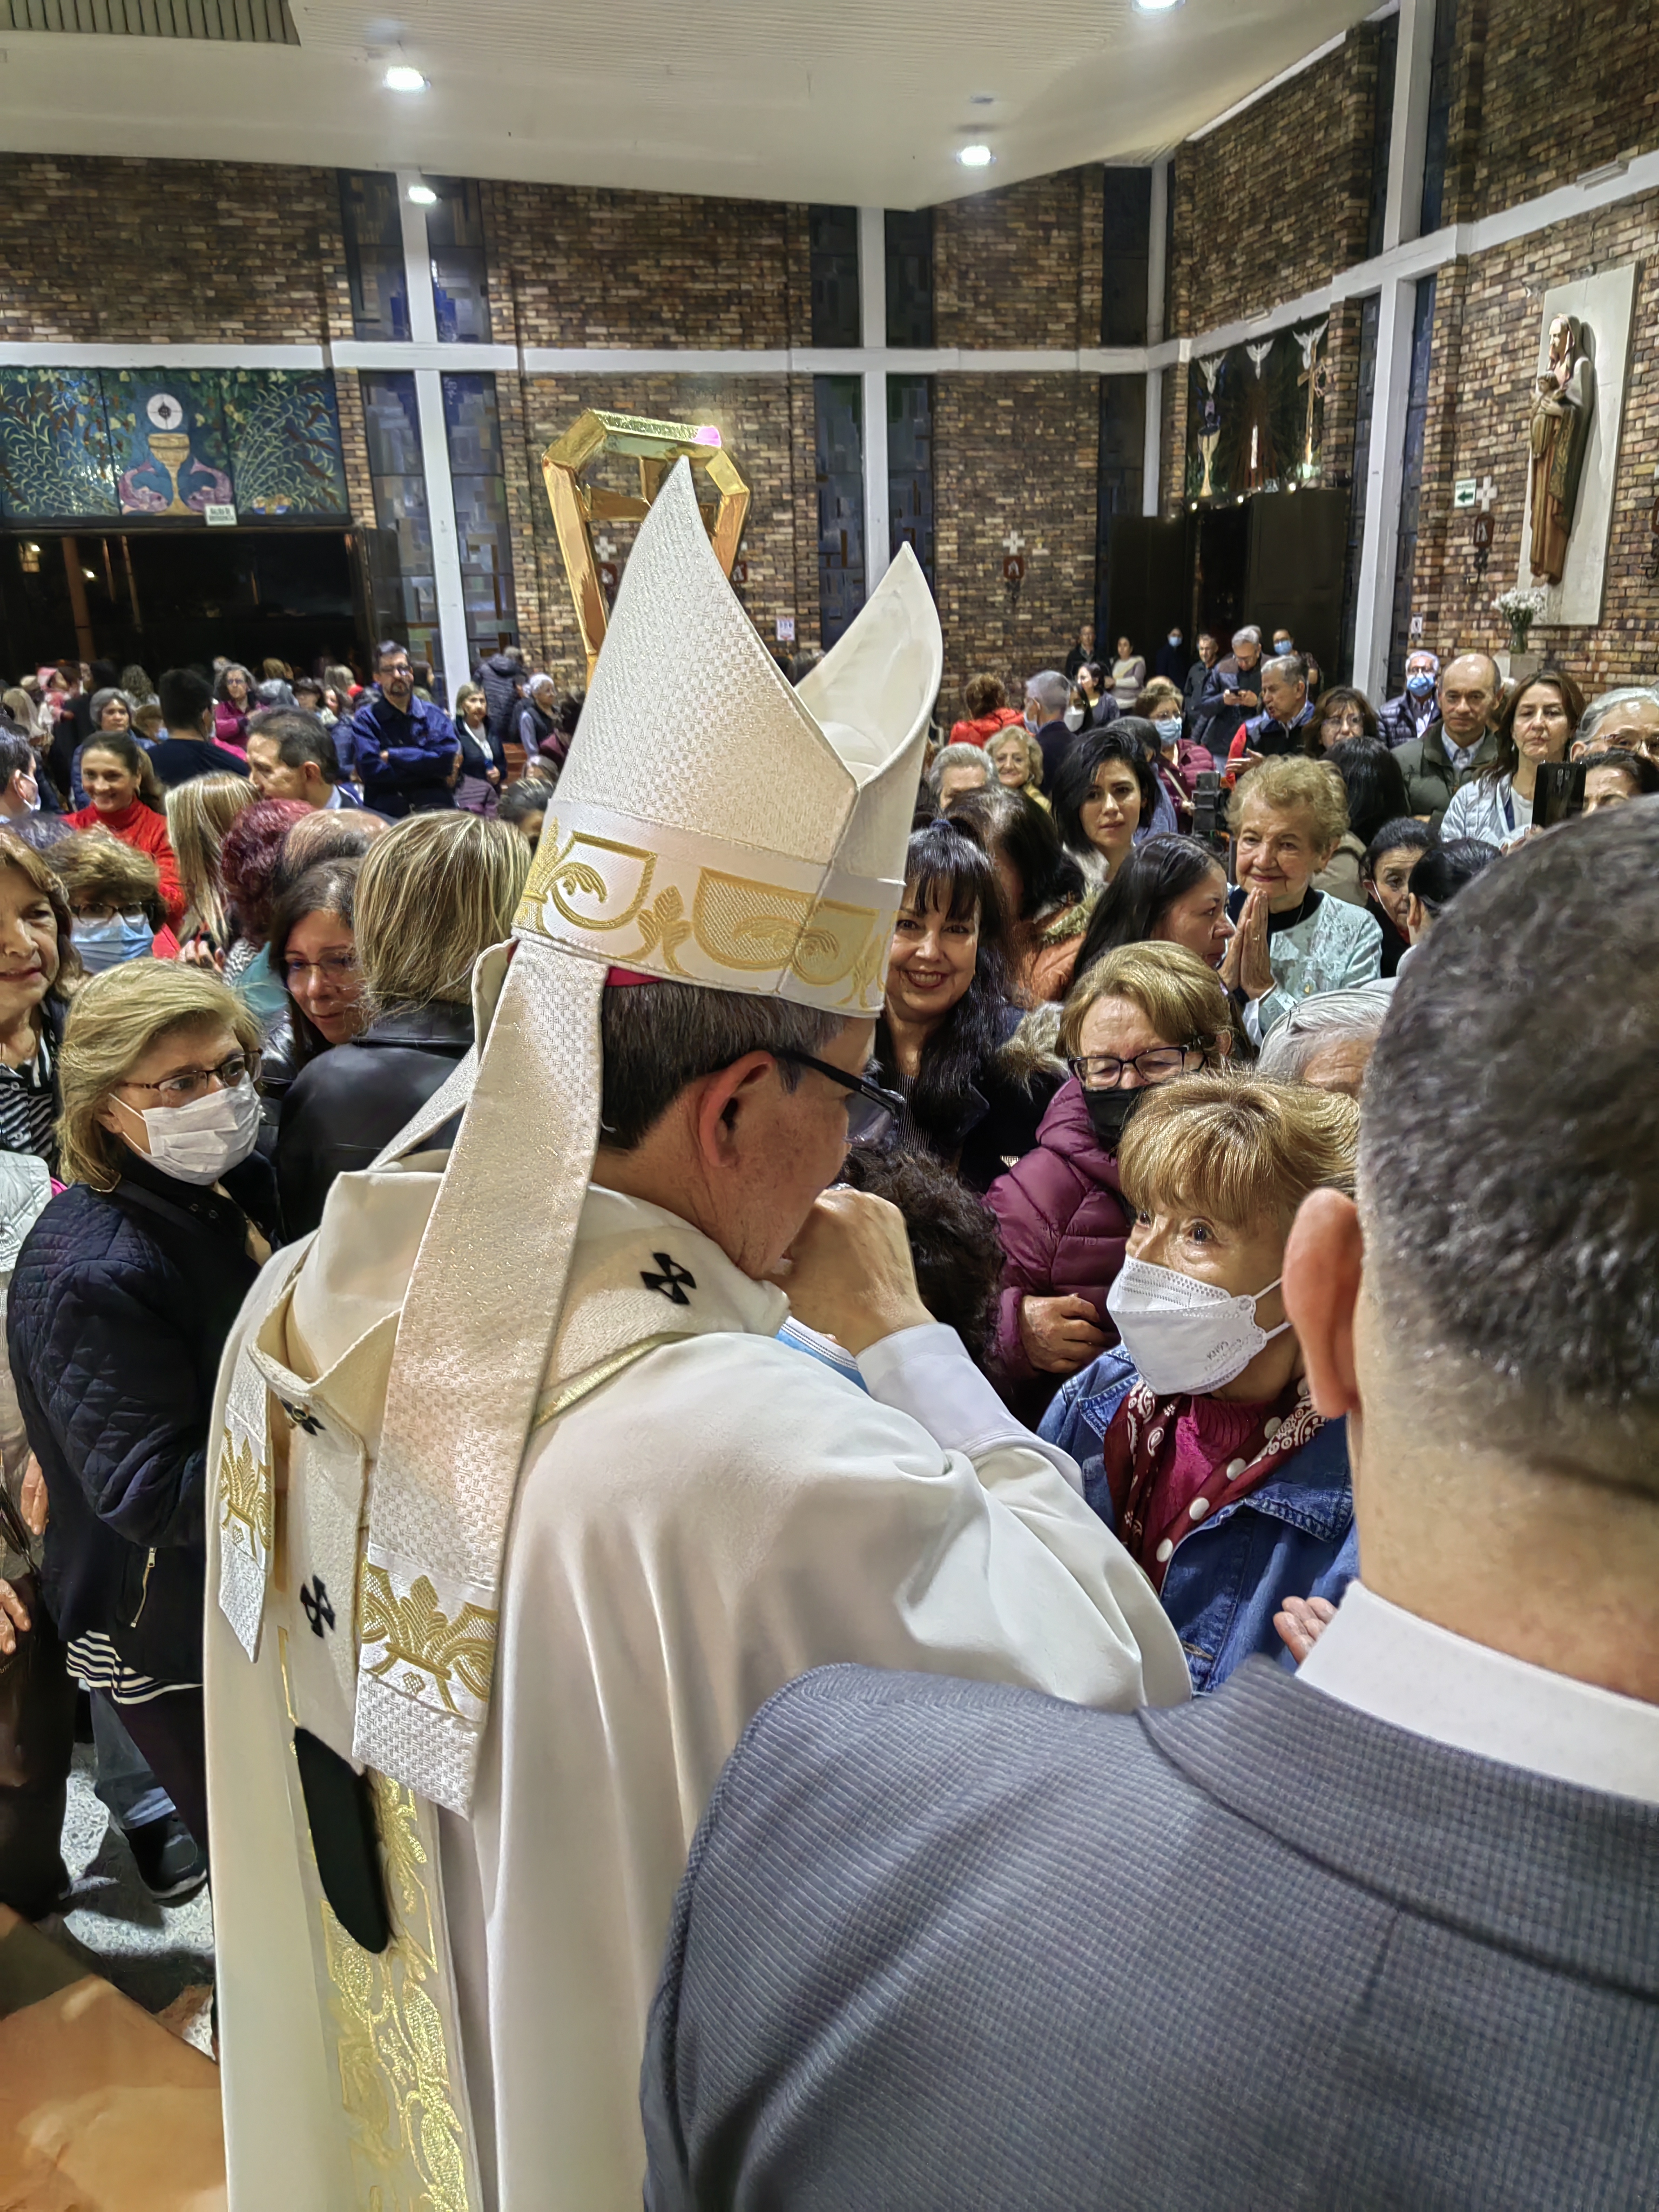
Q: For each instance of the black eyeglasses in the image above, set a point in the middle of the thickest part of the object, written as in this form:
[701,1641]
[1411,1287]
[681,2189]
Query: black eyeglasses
[871,1112]
[1101,1071]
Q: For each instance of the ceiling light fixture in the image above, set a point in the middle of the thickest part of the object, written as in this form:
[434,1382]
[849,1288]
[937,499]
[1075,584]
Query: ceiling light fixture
[423,196]
[401,78]
[975,157]
[1155,6]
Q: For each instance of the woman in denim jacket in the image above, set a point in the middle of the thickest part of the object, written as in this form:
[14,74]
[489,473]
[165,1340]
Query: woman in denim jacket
[1198,1441]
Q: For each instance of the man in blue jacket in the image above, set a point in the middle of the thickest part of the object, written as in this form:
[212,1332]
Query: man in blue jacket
[403,750]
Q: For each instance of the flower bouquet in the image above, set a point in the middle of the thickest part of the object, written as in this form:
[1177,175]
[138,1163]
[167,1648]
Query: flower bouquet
[1520,609]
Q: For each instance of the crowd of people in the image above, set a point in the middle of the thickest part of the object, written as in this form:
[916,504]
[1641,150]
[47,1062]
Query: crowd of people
[1138,1061]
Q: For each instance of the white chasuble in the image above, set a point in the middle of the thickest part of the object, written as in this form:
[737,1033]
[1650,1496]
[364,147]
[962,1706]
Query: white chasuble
[702,1513]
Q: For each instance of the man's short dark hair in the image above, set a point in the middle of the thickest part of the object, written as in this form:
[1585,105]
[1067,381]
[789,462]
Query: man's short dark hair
[185,695]
[299,737]
[658,1037]
[530,795]
[1509,1155]
[955,1245]
[16,757]
[388,649]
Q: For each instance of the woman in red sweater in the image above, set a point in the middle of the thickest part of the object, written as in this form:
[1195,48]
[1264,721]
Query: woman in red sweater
[126,800]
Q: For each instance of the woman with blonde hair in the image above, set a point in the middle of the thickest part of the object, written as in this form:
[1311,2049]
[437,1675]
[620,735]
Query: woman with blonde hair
[198,814]
[123,1296]
[1288,816]
[1197,1437]
[433,893]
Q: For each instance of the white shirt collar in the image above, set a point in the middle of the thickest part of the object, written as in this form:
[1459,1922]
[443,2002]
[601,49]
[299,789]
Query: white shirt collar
[1407,1671]
[333,799]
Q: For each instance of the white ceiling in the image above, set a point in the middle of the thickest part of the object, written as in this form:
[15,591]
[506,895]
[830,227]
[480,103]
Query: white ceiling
[859,102]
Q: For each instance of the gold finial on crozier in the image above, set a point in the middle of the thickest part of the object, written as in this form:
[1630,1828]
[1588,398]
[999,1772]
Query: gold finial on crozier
[577,507]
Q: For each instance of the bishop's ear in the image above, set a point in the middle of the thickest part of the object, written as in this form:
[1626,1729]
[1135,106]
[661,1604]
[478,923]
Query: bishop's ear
[722,1101]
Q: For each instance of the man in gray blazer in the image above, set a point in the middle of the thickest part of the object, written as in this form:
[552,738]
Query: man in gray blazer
[1382,1933]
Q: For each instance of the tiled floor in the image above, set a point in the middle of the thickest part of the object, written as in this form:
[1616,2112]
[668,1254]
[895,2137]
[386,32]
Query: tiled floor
[151,1952]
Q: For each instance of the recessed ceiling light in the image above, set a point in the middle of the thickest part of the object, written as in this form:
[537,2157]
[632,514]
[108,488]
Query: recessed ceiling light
[423,196]
[975,157]
[401,78]
[1155,6]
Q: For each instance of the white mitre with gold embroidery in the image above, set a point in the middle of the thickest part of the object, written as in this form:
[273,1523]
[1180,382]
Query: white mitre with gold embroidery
[750,838]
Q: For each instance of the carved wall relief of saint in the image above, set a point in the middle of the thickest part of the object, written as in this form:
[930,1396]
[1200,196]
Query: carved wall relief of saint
[1558,434]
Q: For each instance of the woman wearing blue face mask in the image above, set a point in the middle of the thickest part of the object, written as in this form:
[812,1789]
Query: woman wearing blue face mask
[1198,1440]
[123,1296]
[114,894]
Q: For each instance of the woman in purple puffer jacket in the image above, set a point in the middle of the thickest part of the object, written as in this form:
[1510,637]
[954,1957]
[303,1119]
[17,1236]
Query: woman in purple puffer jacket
[1141,1017]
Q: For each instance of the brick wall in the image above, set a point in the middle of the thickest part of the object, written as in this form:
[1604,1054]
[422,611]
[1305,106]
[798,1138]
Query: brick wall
[759,417]
[1566,85]
[1274,204]
[1013,453]
[170,253]
[1485,342]
[578,267]
[1020,267]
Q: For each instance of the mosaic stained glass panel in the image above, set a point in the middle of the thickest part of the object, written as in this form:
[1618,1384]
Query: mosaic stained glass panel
[164,445]
[54,445]
[284,435]
[167,432]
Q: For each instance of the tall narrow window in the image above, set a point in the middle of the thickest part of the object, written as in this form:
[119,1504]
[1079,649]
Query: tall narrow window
[1410,481]
[1387,55]
[1168,243]
[1369,311]
[910,466]
[839,411]
[374,255]
[472,425]
[834,235]
[910,256]
[403,586]
[454,237]
[1123,470]
[1436,145]
[1126,250]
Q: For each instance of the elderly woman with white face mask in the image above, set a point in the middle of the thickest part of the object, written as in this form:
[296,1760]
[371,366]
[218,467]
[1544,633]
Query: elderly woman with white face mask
[122,1298]
[1197,1437]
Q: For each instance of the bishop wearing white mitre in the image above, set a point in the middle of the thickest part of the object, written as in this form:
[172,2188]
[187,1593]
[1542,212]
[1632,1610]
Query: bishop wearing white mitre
[522,1510]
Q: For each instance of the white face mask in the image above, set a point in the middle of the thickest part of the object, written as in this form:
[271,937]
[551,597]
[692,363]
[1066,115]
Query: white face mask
[200,1142]
[1186,1336]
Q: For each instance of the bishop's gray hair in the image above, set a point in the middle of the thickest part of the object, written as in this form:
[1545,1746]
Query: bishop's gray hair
[1508,1158]
[659,1037]
[1314,1023]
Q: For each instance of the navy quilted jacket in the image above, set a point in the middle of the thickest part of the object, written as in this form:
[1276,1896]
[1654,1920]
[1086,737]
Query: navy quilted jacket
[118,1309]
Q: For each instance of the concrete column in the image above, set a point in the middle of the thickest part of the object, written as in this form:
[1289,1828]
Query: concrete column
[873,332]
[434,444]
[1403,210]
[1384,468]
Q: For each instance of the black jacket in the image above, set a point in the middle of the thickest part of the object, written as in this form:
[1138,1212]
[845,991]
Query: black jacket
[992,1121]
[118,1310]
[501,678]
[480,751]
[348,1102]
[1215,723]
